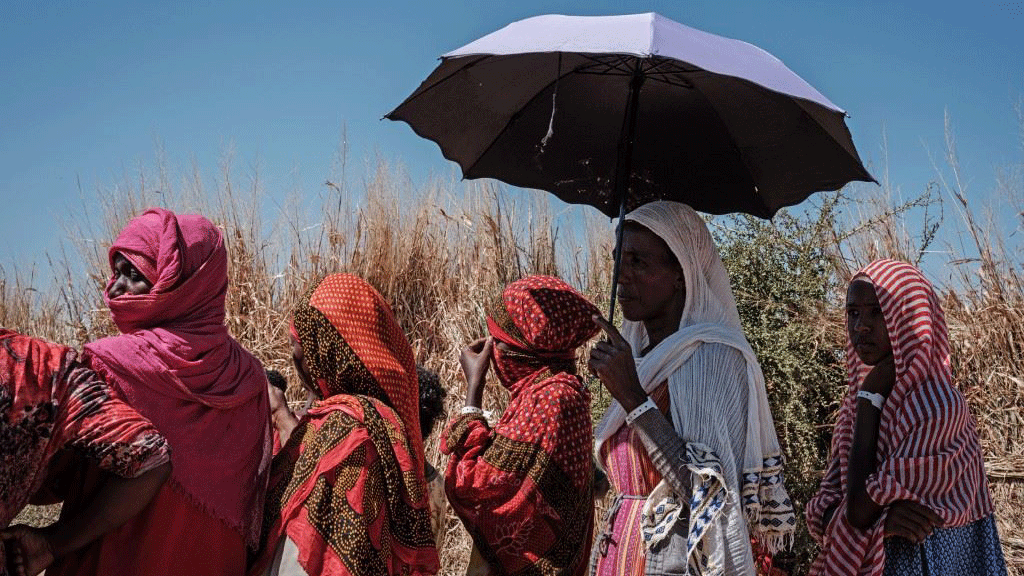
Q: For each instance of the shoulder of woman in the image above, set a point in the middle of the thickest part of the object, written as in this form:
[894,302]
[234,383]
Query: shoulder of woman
[935,399]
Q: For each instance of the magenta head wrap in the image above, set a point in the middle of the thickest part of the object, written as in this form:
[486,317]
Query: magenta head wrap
[185,260]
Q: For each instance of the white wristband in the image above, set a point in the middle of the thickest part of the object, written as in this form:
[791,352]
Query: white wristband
[877,400]
[471,410]
[636,412]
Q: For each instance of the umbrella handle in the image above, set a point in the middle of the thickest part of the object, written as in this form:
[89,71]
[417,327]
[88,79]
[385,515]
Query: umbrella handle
[623,168]
[617,257]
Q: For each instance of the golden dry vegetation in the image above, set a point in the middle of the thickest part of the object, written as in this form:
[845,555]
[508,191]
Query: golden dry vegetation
[438,252]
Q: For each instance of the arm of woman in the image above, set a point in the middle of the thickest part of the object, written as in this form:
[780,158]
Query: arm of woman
[861,511]
[118,500]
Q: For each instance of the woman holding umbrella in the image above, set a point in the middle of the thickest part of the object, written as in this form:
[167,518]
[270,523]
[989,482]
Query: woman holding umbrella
[689,444]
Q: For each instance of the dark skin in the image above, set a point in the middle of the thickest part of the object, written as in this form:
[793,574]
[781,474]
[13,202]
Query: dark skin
[869,335]
[652,290]
[283,419]
[476,361]
[127,279]
[32,550]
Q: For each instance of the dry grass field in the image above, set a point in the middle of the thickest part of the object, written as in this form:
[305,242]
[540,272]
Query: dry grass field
[439,251]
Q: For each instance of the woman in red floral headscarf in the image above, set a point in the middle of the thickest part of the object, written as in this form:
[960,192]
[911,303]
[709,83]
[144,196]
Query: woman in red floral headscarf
[524,487]
[905,490]
[176,364]
[347,494]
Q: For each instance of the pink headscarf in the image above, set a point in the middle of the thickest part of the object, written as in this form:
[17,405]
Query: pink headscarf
[177,365]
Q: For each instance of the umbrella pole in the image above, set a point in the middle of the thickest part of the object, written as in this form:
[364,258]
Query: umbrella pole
[623,167]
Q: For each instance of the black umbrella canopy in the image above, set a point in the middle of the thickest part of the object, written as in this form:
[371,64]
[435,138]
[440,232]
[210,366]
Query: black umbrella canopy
[554,120]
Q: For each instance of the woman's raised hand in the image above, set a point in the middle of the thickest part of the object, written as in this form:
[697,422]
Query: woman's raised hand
[476,360]
[611,360]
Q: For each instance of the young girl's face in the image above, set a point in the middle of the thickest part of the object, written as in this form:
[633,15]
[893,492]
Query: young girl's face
[865,323]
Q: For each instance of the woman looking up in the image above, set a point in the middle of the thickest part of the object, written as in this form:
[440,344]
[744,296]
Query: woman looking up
[689,443]
[176,364]
[524,487]
[905,490]
[347,494]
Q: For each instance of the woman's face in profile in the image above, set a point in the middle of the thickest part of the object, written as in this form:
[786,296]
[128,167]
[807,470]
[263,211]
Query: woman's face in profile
[651,284]
[127,279]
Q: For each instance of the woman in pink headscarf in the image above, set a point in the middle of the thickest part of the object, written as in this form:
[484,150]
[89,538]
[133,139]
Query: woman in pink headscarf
[176,364]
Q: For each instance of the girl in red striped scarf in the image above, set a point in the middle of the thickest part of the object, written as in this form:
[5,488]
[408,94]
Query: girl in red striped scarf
[905,490]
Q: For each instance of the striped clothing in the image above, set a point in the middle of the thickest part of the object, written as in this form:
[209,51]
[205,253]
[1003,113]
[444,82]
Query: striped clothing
[620,550]
[928,450]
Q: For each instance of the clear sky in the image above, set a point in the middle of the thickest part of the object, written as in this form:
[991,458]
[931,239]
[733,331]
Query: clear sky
[89,89]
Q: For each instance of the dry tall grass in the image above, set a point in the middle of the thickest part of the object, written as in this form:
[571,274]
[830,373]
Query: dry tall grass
[440,251]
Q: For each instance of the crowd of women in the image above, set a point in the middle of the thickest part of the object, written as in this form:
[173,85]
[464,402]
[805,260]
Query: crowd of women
[172,454]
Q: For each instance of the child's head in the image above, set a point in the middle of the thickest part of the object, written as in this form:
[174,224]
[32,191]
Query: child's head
[432,396]
[277,380]
[865,322]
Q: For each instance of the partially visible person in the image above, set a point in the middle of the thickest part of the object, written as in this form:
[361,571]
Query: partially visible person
[347,494]
[175,363]
[689,443]
[524,487]
[432,396]
[905,491]
[50,402]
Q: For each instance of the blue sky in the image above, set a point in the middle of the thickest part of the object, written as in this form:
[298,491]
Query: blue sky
[91,89]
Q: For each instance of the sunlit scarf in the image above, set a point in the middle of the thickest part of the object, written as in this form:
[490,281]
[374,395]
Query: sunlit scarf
[755,488]
[928,449]
[524,489]
[177,365]
[348,488]
[48,402]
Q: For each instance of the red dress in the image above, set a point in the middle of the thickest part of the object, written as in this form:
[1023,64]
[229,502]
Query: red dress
[189,541]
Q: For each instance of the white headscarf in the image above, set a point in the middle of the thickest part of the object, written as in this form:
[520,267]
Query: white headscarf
[704,383]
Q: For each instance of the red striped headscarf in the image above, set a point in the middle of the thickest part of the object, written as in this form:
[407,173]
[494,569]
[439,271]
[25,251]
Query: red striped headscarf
[928,449]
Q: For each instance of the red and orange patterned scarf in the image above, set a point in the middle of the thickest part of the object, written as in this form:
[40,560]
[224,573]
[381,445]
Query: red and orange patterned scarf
[942,471]
[348,486]
[524,489]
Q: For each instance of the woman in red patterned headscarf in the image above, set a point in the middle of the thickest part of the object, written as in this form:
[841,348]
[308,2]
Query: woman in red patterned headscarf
[176,364]
[905,490]
[347,494]
[524,488]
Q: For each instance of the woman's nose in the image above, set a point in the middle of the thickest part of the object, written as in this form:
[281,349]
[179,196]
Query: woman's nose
[117,288]
[860,326]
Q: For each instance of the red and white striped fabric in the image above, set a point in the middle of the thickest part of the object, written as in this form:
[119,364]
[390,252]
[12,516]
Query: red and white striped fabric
[928,449]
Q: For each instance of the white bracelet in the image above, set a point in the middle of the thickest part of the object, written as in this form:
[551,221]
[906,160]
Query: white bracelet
[877,400]
[636,412]
[471,410]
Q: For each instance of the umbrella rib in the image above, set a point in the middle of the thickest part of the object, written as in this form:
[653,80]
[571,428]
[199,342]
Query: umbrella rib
[423,91]
[511,121]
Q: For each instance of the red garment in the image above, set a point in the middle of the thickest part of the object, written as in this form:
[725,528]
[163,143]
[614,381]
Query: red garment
[187,540]
[177,365]
[49,401]
[348,488]
[524,489]
[928,449]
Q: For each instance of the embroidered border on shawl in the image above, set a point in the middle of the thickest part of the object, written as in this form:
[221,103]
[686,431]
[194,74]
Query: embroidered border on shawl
[767,506]
[707,499]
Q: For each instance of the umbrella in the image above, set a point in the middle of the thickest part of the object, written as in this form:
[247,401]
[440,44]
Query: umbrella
[616,111]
